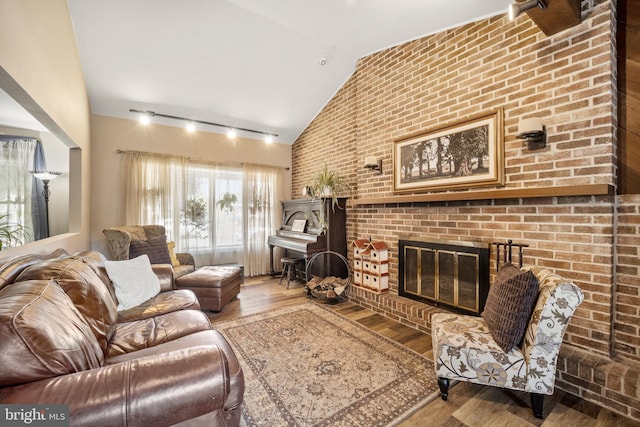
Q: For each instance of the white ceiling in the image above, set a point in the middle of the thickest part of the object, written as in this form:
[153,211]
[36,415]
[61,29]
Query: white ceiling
[246,63]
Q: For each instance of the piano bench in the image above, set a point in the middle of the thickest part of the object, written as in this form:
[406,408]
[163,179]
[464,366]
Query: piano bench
[290,268]
[214,286]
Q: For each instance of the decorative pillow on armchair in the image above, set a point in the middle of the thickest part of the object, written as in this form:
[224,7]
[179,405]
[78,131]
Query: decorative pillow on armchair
[172,254]
[510,304]
[156,249]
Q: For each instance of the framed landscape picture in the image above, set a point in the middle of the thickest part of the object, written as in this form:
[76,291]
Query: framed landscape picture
[461,155]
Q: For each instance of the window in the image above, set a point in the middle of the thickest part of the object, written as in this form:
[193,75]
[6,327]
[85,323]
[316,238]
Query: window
[212,213]
[16,159]
[202,207]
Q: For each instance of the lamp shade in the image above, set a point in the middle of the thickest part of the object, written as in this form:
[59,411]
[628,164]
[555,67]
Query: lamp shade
[530,125]
[46,175]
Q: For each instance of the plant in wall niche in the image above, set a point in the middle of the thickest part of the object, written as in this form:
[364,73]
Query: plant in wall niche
[227,202]
[10,234]
[194,216]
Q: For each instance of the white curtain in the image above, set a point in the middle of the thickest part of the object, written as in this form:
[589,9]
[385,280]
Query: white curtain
[153,188]
[218,213]
[16,160]
[262,212]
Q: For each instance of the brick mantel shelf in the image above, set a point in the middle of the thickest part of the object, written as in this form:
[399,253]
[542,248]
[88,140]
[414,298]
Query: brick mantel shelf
[515,193]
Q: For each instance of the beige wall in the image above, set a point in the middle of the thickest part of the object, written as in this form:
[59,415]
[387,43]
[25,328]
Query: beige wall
[40,68]
[111,134]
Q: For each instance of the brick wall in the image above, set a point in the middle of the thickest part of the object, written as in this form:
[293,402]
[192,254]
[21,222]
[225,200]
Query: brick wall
[568,81]
[627,289]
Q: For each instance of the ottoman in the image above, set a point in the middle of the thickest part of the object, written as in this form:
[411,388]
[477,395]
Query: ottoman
[214,286]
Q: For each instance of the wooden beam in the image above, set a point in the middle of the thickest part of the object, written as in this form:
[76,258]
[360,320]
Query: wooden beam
[558,16]
[512,193]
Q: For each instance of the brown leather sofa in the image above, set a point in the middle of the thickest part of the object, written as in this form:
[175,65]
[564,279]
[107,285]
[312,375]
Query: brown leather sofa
[62,341]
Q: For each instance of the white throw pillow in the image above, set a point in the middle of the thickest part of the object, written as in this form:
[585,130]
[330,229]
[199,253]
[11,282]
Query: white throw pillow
[134,281]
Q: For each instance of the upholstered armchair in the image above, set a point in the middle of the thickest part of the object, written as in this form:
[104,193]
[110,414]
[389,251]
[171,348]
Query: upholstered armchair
[120,240]
[465,349]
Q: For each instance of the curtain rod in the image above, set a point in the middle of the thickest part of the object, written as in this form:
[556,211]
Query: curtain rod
[120,151]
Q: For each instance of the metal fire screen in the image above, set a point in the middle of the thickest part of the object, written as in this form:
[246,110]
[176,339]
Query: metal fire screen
[453,274]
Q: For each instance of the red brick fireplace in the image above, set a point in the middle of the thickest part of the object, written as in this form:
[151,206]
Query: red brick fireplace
[559,200]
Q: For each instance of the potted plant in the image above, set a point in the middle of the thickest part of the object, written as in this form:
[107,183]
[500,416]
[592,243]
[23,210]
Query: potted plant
[227,202]
[10,233]
[326,184]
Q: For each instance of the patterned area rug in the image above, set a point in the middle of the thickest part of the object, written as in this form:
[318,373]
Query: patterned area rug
[306,365]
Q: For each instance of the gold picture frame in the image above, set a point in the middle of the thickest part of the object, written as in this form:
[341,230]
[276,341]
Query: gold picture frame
[464,154]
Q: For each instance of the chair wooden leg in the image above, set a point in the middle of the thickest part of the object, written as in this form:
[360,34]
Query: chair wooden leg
[284,271]
[443,383]
[291,275]
[537,401]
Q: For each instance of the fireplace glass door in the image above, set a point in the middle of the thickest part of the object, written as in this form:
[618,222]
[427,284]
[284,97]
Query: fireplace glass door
[455,276]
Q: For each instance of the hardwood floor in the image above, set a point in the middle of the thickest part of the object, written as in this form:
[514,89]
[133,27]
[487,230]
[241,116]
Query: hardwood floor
[468,405]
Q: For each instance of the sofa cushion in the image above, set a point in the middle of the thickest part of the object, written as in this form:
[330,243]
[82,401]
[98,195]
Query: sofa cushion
[134,281]
[510,304]
[95,260]
[43,334]
[11,268]
[156,248]
[87,290]
[153,331]
[164,302]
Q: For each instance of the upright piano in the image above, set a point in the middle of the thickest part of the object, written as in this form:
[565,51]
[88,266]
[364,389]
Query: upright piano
[324,230]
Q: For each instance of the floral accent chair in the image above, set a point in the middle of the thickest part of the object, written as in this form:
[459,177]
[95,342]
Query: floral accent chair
[465,350]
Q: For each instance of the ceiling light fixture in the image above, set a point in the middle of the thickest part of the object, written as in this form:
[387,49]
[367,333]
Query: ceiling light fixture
[191,127]
[517,8]
[231,134]
[145,119]
[149,114]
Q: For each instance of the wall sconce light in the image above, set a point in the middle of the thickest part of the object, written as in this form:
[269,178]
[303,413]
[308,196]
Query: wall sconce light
[373,163]
[517,8]
[534,132]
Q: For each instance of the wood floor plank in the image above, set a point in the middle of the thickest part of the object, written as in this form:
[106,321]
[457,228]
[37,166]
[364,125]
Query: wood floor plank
[469,405]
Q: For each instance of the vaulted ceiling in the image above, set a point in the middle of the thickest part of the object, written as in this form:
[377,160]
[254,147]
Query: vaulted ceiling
[268,65]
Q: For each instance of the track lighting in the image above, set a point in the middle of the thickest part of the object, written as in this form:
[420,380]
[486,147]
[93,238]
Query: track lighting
[145,118]
[517,8]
